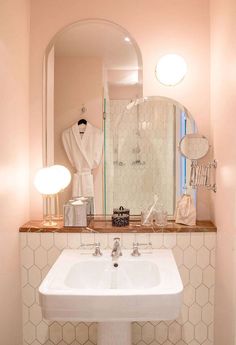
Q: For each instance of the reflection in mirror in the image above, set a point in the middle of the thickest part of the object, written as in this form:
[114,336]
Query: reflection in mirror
[88,64]
[94,72]
[142,156]
[194,146]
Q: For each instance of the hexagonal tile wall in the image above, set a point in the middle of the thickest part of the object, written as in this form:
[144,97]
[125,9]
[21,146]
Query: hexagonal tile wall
[124,184]
[195,257]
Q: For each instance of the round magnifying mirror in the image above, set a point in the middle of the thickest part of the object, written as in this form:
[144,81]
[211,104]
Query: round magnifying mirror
[194,146]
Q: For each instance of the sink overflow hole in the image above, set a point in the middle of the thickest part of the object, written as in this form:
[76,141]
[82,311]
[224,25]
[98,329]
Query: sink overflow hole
[115,264]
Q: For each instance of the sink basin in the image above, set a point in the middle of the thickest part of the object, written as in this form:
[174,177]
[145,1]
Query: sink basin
[80,287]
[104,275]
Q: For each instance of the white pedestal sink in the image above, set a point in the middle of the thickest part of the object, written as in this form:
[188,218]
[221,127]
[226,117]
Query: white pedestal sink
[80,287]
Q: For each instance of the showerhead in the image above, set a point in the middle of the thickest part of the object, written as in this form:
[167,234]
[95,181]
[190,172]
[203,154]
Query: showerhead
[130,105]
[136,102]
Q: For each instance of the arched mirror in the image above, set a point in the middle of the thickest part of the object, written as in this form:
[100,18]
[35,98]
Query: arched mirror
[142,155]
[87,65]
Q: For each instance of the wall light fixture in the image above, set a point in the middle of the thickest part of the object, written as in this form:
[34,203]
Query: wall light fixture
[171,69]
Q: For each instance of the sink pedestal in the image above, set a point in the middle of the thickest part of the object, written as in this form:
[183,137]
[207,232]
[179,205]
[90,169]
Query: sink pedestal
[114,333]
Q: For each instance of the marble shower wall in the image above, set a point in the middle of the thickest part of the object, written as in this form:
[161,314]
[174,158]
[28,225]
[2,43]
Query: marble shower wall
[195,257]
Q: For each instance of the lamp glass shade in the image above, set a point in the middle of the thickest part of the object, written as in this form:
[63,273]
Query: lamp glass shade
[45,182]
[62,174]
[171,69]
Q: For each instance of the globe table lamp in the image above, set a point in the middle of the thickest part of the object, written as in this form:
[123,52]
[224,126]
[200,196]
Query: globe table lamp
[48,185]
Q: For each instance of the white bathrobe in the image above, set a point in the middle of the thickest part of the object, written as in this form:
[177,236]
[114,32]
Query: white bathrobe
[84,154]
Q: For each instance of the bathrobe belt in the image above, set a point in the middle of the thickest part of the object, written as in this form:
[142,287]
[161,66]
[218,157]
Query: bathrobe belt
[83,184]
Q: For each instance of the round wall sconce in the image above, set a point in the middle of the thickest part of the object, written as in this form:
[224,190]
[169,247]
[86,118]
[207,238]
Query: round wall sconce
[171,69]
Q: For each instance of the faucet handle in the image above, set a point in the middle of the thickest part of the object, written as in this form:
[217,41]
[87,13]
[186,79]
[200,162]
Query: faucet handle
[116,238]
[97,251]
[136,246]
[89,244]
[135,251]
[149,244]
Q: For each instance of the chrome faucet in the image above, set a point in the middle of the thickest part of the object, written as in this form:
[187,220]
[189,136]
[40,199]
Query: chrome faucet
[116,250]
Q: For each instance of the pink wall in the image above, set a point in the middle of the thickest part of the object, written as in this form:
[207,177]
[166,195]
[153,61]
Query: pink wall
[78,81]
[223,116]
[158,26]
[14,163]
[128,92]
[124,84]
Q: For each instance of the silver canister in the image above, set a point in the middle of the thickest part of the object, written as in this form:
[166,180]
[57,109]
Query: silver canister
[76,214]
[90,206]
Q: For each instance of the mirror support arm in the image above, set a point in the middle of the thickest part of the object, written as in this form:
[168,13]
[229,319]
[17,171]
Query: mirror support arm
[203,175]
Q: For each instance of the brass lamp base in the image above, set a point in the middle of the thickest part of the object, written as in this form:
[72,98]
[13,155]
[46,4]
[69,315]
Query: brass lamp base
[49,223]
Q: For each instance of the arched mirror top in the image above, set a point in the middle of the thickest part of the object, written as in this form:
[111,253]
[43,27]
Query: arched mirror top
[162,100]
[98,38]
[160,104]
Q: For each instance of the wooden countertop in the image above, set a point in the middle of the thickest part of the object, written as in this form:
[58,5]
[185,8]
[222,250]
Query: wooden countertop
[103,224]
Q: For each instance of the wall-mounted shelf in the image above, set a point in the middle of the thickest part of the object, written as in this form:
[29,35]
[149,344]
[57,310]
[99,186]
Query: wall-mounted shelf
[101,224]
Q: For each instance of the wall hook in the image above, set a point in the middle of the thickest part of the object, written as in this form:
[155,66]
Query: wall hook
[83,109]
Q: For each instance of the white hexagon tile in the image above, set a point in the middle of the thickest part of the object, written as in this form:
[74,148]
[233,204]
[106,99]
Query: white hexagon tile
[195,257]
